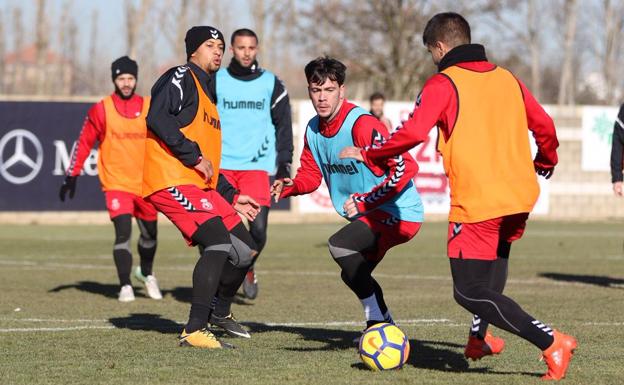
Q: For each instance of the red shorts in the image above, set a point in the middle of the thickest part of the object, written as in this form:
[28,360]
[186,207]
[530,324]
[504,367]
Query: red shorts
[121,202]
[390,232]
[480,240]
[254,183]
[188,207]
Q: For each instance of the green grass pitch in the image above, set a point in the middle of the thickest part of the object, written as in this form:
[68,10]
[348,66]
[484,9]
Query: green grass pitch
[60,321]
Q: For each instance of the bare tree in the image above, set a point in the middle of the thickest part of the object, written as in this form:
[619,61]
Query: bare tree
[174,22]
[68,45]
[613,23]
[517,36]
[135,18]
[566,85]
[532,40]
[92,66]
[41,46]
[16,81]
[2,54]
[379,41]
[145,57]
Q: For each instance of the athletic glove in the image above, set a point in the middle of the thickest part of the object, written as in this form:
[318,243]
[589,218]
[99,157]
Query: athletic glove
[69,184]
[283,171]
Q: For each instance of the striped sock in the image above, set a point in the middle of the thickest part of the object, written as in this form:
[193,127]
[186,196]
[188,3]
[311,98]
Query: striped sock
[476,323]
[545,328]
[536,332]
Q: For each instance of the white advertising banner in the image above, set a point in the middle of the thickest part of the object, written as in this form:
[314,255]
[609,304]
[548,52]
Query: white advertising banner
[431,181]
[596,137]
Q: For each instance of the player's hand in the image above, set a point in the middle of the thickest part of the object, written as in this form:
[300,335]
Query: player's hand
[351,152]
[350,208]
[545,172]
[205,168]
[69,185]
[617,189]
[278,186]
[247,206]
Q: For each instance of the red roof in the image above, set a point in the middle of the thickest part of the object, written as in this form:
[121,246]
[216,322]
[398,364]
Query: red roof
[28,55]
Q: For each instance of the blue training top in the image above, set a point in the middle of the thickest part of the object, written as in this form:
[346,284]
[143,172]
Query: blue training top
[248,133]
[347,176]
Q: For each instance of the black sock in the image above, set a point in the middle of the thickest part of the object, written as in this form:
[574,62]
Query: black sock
[121,249]
[205,283]
[147,245]
[123,262]
[147,259]
[537,333]
[231,279]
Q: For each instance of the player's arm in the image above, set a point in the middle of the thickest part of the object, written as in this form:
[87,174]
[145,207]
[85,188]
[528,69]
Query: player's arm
[308,178]
[172,94]
[617,153]
[433,106]
[543,129]
[242,203]
[93,129]
[226,190]
[282,120]
[399,170]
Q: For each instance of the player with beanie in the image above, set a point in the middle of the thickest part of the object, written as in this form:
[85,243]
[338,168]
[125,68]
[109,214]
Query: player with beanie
[118,123]
[181,178]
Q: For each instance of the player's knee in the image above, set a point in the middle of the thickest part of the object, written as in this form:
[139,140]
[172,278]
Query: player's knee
[242,254]
[212,235]
[338,248]
[123,231]
[149,232]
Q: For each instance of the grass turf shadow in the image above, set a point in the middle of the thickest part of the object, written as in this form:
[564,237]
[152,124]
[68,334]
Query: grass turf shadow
[147,322]
[598,280]
[445,357]
[432,355]
[332,339]
[105,289]
[184,294]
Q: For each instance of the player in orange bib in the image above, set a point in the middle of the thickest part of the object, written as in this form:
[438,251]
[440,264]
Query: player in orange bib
[484,115]
[118,124]
[181,178]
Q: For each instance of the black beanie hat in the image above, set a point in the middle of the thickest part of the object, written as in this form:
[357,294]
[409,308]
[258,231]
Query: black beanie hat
[124,65]
[199,34]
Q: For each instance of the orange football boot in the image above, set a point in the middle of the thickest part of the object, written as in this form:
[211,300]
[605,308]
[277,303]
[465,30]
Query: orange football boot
[558,356]
[477,348]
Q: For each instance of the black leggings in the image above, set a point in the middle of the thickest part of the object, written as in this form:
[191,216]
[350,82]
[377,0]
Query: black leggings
[121,249]
[347,247]
[258,230]
[472,290]
[234,271]
[214,241]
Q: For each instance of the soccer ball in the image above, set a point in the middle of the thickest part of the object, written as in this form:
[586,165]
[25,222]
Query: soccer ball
[384,346]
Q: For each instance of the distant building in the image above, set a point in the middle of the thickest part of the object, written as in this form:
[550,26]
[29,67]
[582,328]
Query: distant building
[22,74]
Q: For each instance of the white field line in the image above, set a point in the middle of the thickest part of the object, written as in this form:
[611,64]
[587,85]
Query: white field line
[409,322]
[63,329]
[436,322]
[33,265]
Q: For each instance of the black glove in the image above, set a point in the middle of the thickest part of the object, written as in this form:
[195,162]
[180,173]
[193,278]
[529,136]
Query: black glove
[69,184]
[283,171]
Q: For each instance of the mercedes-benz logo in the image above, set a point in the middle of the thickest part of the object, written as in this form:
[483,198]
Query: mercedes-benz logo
[20,156]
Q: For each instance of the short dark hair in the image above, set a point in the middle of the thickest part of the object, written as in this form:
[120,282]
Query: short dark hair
[449,27]
[322,68]
[243,32]
[376,96]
